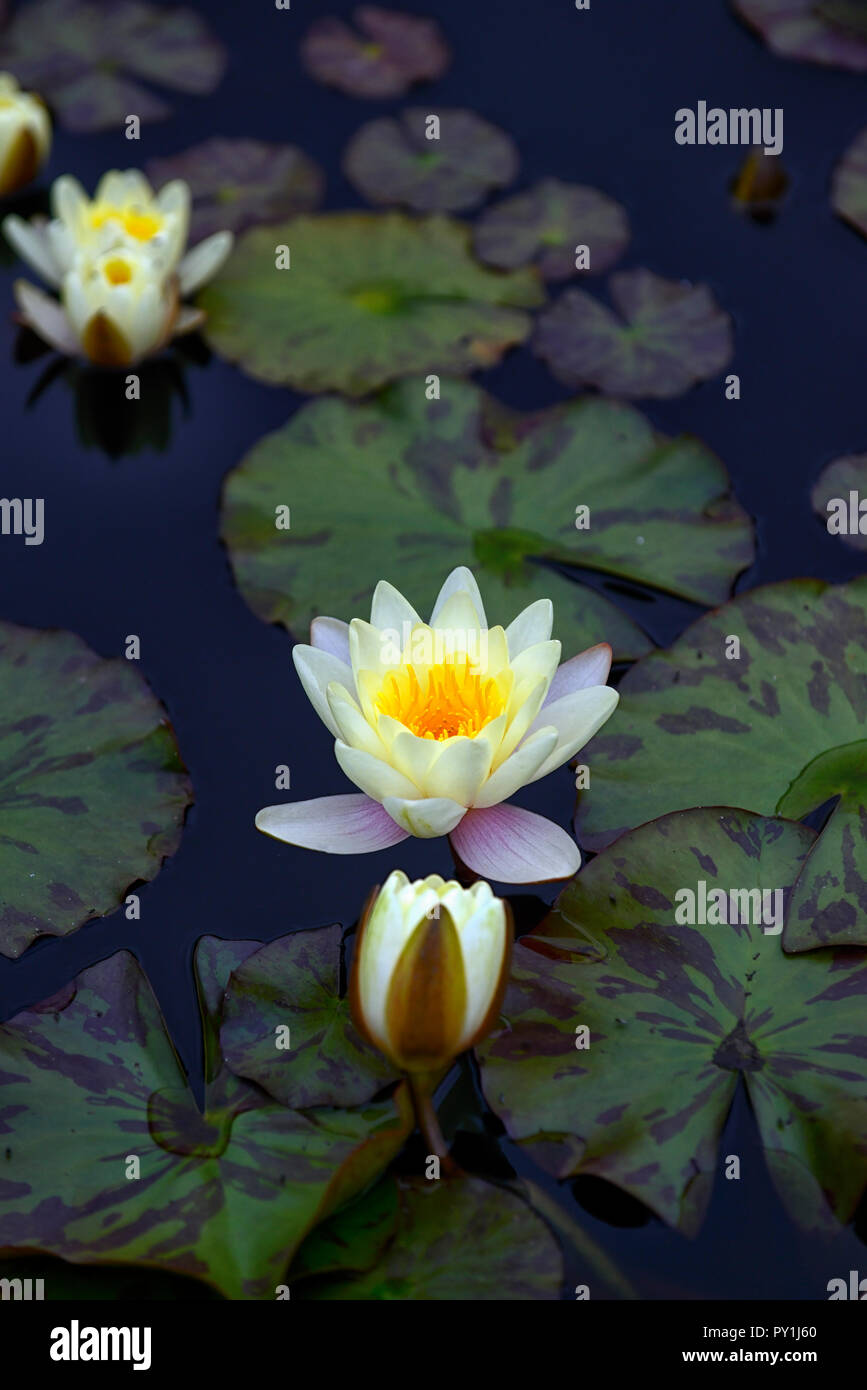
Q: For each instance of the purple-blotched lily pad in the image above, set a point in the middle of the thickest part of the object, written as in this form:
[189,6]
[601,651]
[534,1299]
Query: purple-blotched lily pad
[849,185]
[761,704]
[831,32]
[83,57]
[227,1194]
[389,52]
[677,1010]
[391,160]
[547,224]
[670,336]
[839,497]
[294,983]
[237,183]
[92,789]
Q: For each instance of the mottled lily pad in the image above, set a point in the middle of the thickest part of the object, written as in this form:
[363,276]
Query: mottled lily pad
[369,297]
[849,185]
[457,1239]
[225,1195]
[832,499]
[676,1013]
[354,1239]
[294,983]
[547,224]
[237,183]
[383,57]
[778,729]
[92,789]
[669,336]
[83,56]
[831,32]
[469,483]
[392,160]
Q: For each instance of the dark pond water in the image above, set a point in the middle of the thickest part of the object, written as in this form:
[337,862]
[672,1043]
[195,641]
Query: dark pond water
[132,546]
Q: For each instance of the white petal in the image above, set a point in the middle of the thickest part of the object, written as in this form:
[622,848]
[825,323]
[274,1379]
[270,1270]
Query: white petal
[426,818]
[590,667]
[374,776]
[316,670]
[331,635]
[576,718]
[460,770]
[202,263]
[46,317]
[531,626]
[460,578]
[30,241]
[351,723]
[484,941]
[391,610]
[68,200]
[518,769]
[349,824]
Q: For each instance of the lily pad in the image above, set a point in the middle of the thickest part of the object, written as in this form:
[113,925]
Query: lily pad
[383,57]
[670,335]
[92,790]
[225,1195]
[83,56]
[369,297]
[294,983]
[470,483]
[237,183]
[677,1013]
[354,1239]
[831,32]
[778,728]
[546,225]
[391,160]
[457,1239]
[832,499]
[849,185]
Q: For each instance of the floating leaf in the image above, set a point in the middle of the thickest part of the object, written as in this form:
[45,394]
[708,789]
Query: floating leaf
[225,1195]
[354,1238]
[82,56]
[390,52]
[831,32]
[369,297]
[547,224]
[676,1014]
[237,183]
[294,983]
[849,185]
[92,789]
[457,1239]
[778,728]
[391,160]
[425,485]
[670,336]
[832,499]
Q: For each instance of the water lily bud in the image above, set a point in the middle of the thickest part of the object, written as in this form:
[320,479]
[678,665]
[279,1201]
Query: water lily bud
[25,135]
[118,307]
[430,969]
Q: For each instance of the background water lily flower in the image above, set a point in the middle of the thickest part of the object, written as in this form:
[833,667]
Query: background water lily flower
[439,723]
[25,135]
[430,969]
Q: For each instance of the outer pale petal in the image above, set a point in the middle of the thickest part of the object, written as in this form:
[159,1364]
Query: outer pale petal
[425,818]
[46,317]
[202,263]
[371,774]
[331,635]
[587,668]
[316,670]
[30,240]
[382,936]
[389,610]
[350,824]
[531,626]
[460,578]
[518,769]
[576,718]
[484,946]
[511,845]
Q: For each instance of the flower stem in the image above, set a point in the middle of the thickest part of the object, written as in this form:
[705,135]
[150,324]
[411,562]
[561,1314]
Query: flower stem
[422,1086]
[577,1237]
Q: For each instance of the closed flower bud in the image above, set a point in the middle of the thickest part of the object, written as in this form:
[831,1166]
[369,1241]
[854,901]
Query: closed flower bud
[25,136]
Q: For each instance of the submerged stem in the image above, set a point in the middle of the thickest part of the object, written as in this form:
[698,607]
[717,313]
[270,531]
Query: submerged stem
[422,1087]
[578,1238]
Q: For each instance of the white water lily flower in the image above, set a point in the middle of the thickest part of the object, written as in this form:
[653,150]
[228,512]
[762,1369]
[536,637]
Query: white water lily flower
[25,135]
[430,968]
[439,724]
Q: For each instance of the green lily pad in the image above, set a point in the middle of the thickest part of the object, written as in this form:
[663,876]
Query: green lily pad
[354,1239]
[677,1012]
[779,729]
[391,160]
[546,225]
[849,185]
[84,56]
[831,32]
[670,336]
[294,983]
[92,790]
[386,54]
[369,297]
[238,183]
[465,481]
[225,1195]
[832,499]
[457,1239]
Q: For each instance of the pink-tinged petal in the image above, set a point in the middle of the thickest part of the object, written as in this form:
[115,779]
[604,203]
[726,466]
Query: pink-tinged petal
[587,668]
[46,317]
[426,818]
[350,824]
[332,636]
[510,845]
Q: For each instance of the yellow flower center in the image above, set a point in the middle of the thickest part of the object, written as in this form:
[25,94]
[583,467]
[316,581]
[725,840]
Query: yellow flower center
[452,700]
[117,272]
[142,226]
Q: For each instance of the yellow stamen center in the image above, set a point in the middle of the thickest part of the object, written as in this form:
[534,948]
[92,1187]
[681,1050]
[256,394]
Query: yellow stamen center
[117,272]
[142,226]
[450,700]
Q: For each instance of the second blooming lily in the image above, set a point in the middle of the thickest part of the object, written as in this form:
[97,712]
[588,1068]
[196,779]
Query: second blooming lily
[439,723]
